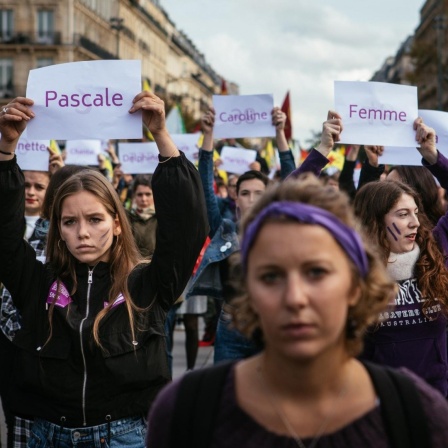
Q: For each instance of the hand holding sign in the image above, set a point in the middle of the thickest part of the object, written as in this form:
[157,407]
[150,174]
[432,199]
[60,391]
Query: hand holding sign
[331,132]
[154,119]
[207,124]
[372,153]
[426,137]
[14,117]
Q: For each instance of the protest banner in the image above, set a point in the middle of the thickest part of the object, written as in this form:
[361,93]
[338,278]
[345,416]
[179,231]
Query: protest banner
[243,116]
[376,113]
[138,158]
[85,100]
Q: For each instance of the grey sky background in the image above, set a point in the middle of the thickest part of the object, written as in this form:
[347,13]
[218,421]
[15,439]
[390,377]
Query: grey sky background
[272,46]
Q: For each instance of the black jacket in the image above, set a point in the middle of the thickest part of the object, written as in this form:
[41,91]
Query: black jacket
[69,379]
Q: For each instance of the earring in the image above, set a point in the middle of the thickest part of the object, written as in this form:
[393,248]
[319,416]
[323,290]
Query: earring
[59,247]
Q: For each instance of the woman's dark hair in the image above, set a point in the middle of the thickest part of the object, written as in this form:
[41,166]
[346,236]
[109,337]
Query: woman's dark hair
[249,175]
[422,181]
[141,179]
[372,203]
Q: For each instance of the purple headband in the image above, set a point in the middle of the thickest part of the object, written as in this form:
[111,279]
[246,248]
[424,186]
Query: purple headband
[348,238]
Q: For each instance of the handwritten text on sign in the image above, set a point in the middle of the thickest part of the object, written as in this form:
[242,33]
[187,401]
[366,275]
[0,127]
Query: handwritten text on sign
[85,100]
[138,158]
[243,116]
[237,160]
[375,113]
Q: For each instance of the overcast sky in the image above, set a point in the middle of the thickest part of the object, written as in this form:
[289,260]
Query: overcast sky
[272,46]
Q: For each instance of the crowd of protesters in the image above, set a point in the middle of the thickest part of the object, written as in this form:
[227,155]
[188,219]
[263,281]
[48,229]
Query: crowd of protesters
[327,297]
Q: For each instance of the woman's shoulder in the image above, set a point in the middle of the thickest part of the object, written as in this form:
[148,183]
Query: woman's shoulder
[161,414]
[435,407]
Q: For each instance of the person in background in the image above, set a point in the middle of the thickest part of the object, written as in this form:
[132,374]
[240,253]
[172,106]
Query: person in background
[213,277]
[142,215]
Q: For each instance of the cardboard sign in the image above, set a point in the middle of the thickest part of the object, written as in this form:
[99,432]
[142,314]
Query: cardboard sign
[138,158]
[85,100]
[376,113]
[236,160]
[243,116]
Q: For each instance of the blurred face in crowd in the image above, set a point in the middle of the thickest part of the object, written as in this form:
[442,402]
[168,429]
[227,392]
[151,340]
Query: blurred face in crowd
[250,190]
[300,284]
[231,187]
[36,183]
[143,197]
[87,228]
[402,224]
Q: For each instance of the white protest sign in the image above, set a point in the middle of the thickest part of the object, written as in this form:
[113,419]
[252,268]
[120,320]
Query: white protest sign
[82,152]
[376,113]
[394,155]
[243,116]
[85,100]
[138,158]
[33,155]
[188,144]
[438,120]
[236,160]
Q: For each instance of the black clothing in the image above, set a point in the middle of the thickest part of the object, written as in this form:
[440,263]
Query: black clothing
[67,379]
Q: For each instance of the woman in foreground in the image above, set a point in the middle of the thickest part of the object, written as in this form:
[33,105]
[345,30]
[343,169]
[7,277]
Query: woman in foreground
[311,286]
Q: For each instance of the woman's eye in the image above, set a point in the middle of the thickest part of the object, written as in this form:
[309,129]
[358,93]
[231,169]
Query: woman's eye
[95,220]
[68,222]
[316,272]
[270,277]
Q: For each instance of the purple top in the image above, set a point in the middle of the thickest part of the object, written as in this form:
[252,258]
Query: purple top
[236,428]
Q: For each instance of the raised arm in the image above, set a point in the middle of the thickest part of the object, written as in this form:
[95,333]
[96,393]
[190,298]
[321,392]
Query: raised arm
[346,181]
[432,159]
[206,172]
[181,218]
[18,265]
[317,159]
[371,168]
[287,164]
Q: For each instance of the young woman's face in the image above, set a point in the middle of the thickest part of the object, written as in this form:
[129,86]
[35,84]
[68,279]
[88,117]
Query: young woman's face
[143,197]
[402,224]
[87,228]
[249,191]
[36,183]
[300,285]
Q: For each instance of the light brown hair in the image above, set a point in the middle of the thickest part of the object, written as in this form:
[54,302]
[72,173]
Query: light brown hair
[124,254]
